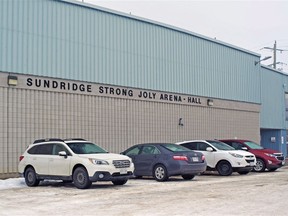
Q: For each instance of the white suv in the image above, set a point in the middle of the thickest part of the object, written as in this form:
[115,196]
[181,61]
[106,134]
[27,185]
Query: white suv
[74,160]
[222,157]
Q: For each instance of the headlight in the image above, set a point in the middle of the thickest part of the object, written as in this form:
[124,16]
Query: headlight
[98,162]
[269,155]
[236,155]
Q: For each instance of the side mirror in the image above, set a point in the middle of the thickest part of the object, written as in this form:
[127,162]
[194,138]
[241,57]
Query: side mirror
[209,149]
[244,148]
[63,153]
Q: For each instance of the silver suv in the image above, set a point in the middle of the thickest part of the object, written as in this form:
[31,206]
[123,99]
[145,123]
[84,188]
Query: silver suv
[74,160]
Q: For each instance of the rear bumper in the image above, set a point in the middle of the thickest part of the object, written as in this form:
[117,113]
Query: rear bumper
[192,169]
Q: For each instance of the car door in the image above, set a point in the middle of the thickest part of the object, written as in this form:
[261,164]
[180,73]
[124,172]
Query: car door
[133,154]
[59,165]
[147,158]
[202,147]
[40,158]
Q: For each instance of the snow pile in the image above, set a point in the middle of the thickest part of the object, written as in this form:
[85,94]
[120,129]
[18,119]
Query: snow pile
[12,183]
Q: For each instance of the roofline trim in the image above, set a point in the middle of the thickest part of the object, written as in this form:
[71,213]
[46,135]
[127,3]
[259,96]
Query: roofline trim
[274,70]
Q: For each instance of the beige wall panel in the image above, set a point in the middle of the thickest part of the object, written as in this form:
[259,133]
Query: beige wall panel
[3,131]
[113,123]
[158,122]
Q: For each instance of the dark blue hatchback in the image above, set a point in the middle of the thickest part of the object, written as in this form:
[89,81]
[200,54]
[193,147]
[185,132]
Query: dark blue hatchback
[162,160]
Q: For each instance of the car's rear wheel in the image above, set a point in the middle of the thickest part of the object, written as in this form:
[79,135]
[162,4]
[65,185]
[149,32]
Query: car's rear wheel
[160,173]
[224,168]
[81,178]
[31,178]
[119,182]
[260,165]
[188,177]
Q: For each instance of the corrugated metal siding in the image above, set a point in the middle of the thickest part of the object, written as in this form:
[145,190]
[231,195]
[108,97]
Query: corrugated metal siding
[59,39]
[273,90]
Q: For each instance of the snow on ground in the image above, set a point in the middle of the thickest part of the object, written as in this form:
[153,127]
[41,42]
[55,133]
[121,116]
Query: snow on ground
[253,194]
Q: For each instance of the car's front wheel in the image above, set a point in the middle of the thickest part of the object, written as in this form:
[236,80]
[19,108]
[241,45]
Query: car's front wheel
[188,177]
[260,165]
[81,178]
[31,178]
[119,182]
[224,168]
[160,173]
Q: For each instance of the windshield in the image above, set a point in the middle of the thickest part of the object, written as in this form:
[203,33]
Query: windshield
[175,148]
[85,148]
[253,145]
[220,145]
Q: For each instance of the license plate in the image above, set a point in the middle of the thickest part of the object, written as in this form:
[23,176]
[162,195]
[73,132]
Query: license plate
[195,159]
[123,171]
[283,162]
[252,164]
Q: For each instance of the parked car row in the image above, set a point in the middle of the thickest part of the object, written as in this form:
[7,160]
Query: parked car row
[83,162]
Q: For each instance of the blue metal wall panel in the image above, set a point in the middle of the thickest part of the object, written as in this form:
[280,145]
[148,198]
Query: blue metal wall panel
[273,88]
[280,140]
[68,39]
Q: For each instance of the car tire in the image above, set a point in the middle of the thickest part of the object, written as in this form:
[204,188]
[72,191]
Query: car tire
[81,178]
[31,178]
[243,172]
[188,177]
[119,182]
[160,173]
[260,165]
[224,168]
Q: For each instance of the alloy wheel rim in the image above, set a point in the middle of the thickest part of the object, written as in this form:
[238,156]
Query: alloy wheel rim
[258,166]
[159,173]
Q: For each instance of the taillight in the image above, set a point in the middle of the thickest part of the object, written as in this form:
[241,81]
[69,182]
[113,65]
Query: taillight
[203,158]
[177,157]
[21,157]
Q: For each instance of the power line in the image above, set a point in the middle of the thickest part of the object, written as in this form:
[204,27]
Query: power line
[274,48]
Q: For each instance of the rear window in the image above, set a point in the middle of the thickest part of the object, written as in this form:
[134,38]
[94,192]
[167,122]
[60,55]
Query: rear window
[175,148]
[45,149]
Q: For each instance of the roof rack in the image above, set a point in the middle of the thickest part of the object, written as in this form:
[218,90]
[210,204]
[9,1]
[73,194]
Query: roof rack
[70,139]
[47,140]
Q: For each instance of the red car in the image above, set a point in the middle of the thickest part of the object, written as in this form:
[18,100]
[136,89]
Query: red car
[265,158]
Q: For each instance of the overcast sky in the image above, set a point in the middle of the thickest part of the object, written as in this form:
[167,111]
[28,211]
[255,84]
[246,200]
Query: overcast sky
[251,25]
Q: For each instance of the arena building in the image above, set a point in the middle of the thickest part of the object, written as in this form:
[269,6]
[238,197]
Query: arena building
[71,69]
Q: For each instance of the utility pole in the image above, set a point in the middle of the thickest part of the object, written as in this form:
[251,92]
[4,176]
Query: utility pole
[274,53]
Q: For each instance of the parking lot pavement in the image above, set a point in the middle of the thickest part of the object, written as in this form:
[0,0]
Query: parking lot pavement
[208,194]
